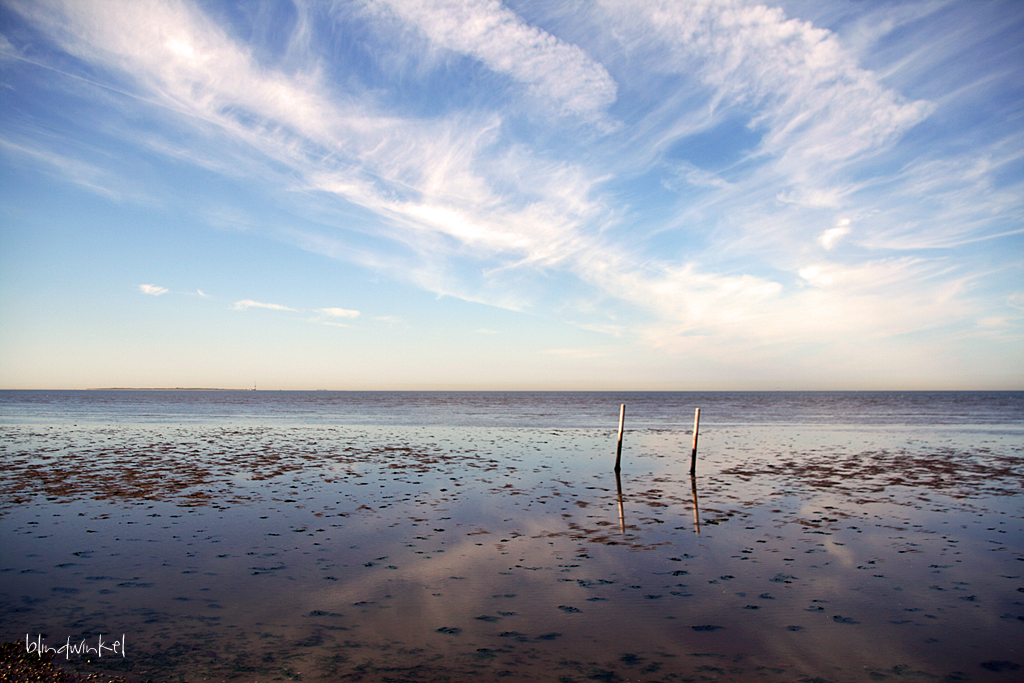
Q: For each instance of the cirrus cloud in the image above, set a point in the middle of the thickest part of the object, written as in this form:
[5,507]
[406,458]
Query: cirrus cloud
[339,312]
[249,303]
[153,290]
[556,72]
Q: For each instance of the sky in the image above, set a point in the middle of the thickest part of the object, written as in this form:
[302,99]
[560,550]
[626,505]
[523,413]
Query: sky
[518,194]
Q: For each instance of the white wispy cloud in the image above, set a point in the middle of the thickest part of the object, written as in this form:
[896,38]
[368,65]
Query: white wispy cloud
[814,108]
[7,50]
[153,290]
[339,312]
[830,237]
[66,167]
[556,72]
[420,175]
[249,303]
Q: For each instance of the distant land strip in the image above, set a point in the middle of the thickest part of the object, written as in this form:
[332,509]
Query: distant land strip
[162,389]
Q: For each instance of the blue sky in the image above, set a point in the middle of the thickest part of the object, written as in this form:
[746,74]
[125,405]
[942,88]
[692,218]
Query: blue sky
[474,194]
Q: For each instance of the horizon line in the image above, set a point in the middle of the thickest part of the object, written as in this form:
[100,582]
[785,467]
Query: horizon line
[480,390]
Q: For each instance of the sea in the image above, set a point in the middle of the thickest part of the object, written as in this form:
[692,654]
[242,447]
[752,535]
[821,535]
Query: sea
[456,536]
[556,409]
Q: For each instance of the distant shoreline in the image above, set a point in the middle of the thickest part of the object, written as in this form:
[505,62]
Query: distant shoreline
[163,389]
[543,391]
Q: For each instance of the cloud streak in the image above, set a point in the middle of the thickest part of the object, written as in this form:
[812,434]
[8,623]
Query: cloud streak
[249,303]
[558,74]
[339,312]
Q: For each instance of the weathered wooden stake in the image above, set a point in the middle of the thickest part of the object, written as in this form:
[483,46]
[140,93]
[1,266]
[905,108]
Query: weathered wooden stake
[618,449]
[693,453]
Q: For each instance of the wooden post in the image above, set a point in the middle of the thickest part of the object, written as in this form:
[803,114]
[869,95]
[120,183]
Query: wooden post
[618,449]
[693,453]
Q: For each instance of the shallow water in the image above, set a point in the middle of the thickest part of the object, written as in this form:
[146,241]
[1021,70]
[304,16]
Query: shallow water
[246,547]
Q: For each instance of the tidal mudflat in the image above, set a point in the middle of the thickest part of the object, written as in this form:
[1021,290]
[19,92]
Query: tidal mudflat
[260,553]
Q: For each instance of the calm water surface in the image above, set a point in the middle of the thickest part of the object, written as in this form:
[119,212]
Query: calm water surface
[512,409]
[454,536]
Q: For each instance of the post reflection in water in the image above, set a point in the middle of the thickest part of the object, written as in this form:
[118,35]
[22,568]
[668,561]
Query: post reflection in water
[622,509]
[696,510]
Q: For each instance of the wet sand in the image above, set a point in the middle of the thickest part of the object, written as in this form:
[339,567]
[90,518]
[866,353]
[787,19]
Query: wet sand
[430,554]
